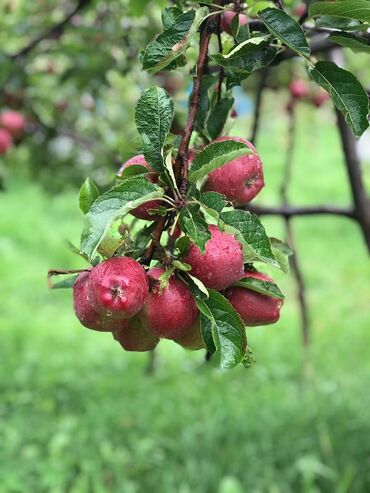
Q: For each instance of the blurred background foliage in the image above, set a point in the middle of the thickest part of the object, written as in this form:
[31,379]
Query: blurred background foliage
[77,414]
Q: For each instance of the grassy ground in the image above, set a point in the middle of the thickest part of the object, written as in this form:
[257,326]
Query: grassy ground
[79,415]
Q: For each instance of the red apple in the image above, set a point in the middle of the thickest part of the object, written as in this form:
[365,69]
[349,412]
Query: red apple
[118,288]
[227,19]
[85,312]
[169,313]
[222,262]
[241,179]
[14,122]
[6,140]
[133,336]
[255,308]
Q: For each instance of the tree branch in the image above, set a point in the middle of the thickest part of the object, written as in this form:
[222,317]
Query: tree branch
[258,103]
[291,211]
[53,32]
[181,163]
[360,199]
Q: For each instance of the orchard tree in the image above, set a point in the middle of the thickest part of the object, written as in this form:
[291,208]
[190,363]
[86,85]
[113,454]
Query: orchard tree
[190,272]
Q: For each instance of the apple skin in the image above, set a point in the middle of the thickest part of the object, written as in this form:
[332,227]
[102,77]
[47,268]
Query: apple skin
[222,263]
[193,339]
[171,313]
[254,308]
[118,288]
[142,212]
[320,98]
[300,9]
[135,337]
[6,140]
[227,19]
[84,311]
[241,179]
[298,89]
[14,122]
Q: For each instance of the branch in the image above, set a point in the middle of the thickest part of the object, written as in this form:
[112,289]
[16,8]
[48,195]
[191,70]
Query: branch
[181,163]
[53,32]
[360,199]
[194,102]
[258,103]
[294,263]
[291,211]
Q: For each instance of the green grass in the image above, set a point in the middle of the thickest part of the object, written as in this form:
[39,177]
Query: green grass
[79,415]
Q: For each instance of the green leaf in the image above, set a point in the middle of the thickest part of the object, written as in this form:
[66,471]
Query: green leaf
[213,200]
[349,9]
[183,245]
[287,29]
[204,102]
[199,291]
[174,41]
[164,278]
[214,156]
[282,252]
[347,94]
[193,224]
[113,204]
[340,23]
[218,116]
[226,328]
[169,16]
[133,170]
[65,283]
[263,287]
[250,231]
[153,116]
[354,43]
[89,192]
[181,266]
[248,56]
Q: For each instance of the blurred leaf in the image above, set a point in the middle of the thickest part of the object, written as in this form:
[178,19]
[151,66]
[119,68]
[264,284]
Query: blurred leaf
[174,41]
[349,9]
[153,116]
[287,29]
[65,283]
[355,43]
[89,192]
[346,92]
[340,23]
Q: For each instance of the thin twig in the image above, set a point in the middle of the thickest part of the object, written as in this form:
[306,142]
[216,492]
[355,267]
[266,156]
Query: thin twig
[294,263]
[258,103]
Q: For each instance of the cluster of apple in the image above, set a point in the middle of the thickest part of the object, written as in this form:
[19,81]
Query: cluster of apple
[120,296]
[12,126]
[300,91]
